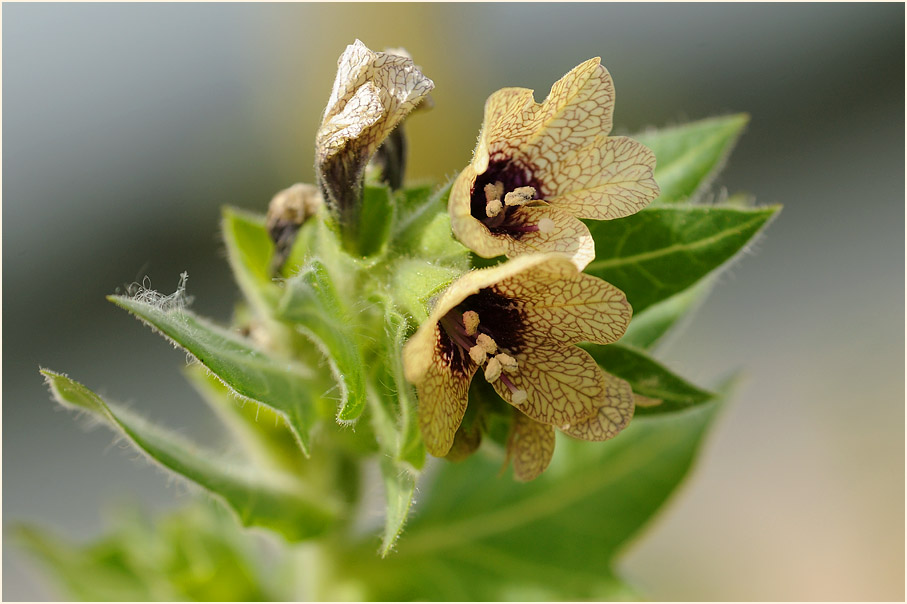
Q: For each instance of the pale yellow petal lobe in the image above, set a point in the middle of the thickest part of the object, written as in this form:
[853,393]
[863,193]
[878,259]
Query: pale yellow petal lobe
[443,395]
[442,389]
[611,178]
[530,446]
[578,108]
[568,306]
[563,384]
[612,417]
[567,235]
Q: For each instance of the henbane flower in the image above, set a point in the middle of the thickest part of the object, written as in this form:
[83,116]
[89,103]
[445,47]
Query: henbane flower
[538,167]
[518,322]
[372,93]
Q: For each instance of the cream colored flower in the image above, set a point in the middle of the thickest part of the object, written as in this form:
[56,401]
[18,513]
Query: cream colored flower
[519,322]
[539,167]
[372,93]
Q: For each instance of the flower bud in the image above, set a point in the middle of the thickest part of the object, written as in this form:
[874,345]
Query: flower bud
[372,93]
[287,212]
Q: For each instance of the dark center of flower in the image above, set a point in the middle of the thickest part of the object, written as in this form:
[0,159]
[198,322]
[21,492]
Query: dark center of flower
[485,329]
[500,192]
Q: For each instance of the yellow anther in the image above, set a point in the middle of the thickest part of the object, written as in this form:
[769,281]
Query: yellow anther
[471,322]
[478,354]
[492,370]
[519,396]
[493,208]
[492,193]
[507,362]
[487,343]
[519,196]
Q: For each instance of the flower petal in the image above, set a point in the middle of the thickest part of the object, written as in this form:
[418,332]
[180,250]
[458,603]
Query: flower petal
[471,232]
[372,93]
[568,236]
[609,178]
[563,384]
[442,388]
[465,443]
[578,108]
[531,446]
[558,303]
[505,123]
[612,417]
[475,280]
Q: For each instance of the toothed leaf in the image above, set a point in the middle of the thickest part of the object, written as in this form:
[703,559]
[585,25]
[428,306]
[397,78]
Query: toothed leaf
[286,386]
[659,252]
[259,499]
[649,327]
[261,432]
[249,251]
[312,304]
[478,537]
[649,378]
[396,428]
[689,156]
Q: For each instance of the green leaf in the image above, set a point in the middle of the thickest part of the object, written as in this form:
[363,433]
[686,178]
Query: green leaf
[648,378]
[249,251]
[689,156]
[417,281]
[648,327]
[375,219]
[195,554]
[273,501]
[412,201]
[438,245]
[659,252]
[418,207]
[313,306]
[393,407]
[399,489]
[262,433]
[409,447]
[482,536]
[286,386]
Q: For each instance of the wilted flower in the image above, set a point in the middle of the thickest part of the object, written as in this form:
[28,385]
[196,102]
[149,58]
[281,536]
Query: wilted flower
[372,93]
[518,322]
[539,167]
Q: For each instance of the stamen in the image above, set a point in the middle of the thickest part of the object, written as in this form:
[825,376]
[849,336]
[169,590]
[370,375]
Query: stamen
[522,229]
[507,362]
[493,208]
[471,322]
[493,370]
[478,354]
[519,196]
[546,225]
[456,332]
[518,396]
[492,193]
[486,342]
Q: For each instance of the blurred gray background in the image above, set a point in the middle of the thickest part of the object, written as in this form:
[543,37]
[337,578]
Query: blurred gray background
[128,126]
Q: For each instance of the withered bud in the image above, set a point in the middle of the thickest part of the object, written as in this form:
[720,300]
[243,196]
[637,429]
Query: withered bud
[287,212]
[372,93]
